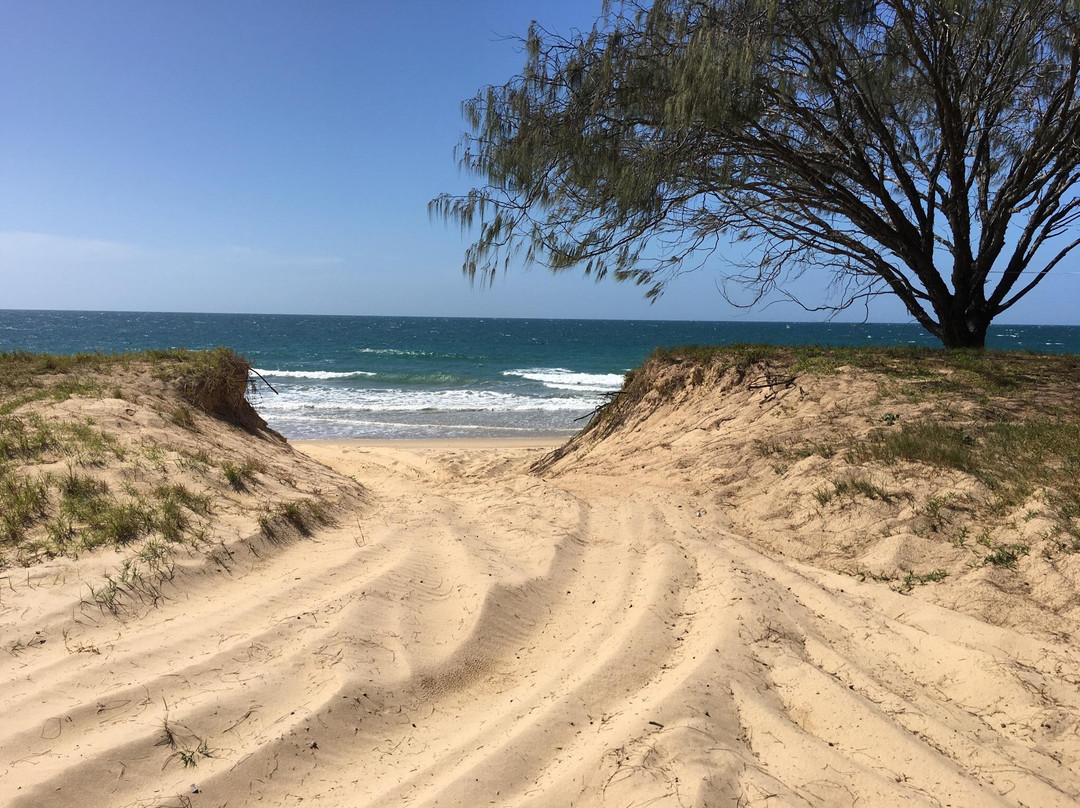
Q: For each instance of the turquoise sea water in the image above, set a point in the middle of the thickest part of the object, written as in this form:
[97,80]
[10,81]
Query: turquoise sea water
[421,377]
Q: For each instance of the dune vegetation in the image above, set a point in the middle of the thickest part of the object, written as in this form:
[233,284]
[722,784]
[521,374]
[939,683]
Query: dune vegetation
[141,453]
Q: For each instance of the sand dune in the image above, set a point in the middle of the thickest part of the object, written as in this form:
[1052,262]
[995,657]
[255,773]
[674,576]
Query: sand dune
[612,630]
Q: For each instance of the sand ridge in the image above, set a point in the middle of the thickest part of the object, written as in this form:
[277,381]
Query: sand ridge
[485,635]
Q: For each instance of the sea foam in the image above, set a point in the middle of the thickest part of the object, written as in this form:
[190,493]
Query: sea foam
[297,400]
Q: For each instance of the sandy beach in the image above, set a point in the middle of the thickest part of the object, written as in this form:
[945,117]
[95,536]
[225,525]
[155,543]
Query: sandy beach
[602,630]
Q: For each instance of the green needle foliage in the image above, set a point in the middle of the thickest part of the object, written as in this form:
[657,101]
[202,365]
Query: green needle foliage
[925,149]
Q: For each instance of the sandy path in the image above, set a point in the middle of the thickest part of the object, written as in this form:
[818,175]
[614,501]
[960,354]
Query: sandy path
[480,636]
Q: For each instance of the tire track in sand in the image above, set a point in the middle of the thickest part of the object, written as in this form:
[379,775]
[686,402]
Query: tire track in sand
[485,637]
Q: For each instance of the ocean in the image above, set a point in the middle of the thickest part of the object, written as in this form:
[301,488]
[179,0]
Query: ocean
[441,377]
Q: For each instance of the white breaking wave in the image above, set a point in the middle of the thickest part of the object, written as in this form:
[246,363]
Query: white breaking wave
[315,399]
[313,374]
[392,351]
[563,379]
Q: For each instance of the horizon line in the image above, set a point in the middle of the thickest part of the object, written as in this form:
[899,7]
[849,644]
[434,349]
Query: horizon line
[911,322]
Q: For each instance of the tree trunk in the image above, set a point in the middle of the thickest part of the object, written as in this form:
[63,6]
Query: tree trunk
[963,331]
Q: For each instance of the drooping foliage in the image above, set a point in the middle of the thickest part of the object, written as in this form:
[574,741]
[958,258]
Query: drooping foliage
[926,149]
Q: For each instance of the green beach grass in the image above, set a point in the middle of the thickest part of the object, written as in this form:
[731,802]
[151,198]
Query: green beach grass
[51,464]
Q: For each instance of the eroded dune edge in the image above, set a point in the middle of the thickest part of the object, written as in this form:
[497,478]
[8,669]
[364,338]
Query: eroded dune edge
[712,597]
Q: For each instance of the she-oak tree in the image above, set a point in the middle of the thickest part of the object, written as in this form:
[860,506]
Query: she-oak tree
[926,149]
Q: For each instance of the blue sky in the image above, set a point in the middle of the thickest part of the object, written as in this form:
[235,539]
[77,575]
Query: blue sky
[278,157]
